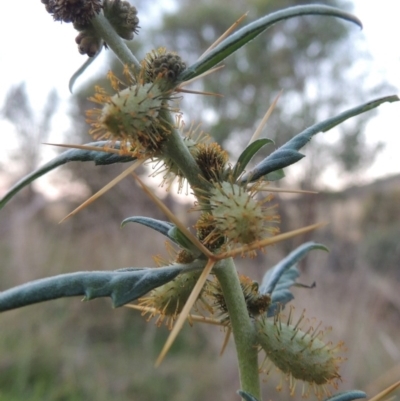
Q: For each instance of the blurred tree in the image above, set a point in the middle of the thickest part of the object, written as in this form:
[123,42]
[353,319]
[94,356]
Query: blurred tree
[31,131]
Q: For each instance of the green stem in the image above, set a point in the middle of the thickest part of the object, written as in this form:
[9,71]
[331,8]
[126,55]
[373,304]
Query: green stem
[175,148]
[242,327]
[103,27]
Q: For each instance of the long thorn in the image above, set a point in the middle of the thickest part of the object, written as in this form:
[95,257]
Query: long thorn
[140,308]
[195,241]
[267,241]
[283,190]
[226,341]
[225,34]
[193,92]
[106,188]
[85,147]
[386,392]
[186,83]
[185,311]
[194,318]
[207,320]
[264,120]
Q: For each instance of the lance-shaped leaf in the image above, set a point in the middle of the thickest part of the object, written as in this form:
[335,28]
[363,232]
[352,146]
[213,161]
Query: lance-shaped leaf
[275,161]
[71,155]
[282,276]
[122,286]
[252,30]
[282,294]
[176,235]
[275,175]
[161,226]
[273,276]
[347,396]
[83,68]
[171,231]
[288,153]
[304,137]
[247,155]
[246,396]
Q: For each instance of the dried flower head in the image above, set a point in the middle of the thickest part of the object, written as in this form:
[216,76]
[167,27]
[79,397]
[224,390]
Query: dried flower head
[211,159]
[165,66]
[123,17]
[207,233]
[79,11]
[300,355]
[88,42]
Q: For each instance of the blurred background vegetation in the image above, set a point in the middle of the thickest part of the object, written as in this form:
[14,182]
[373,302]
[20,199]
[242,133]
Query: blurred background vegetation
[68,350]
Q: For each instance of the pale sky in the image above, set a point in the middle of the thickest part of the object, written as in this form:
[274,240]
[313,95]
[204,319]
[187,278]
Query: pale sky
[382,32]
[43,54]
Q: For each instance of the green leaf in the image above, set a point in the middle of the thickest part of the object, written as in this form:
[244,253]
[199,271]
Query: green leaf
[281,295]
[304,137]
[158,225]
[122,286]
[71,155]
[275,175]
[275,161]
[246,396]
[252,30]
[288,153]
[274,275]
[278,280]
[247,155]
[83,68]
[179,238]
[347,396]
[168,229]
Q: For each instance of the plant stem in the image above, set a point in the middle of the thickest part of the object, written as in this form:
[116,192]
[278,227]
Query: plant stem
[175,148]
[242,327]
[103,27]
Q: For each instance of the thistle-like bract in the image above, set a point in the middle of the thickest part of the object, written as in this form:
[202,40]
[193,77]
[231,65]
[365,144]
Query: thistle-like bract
[133,114]
[300,355]
[236,214]
[168,300]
